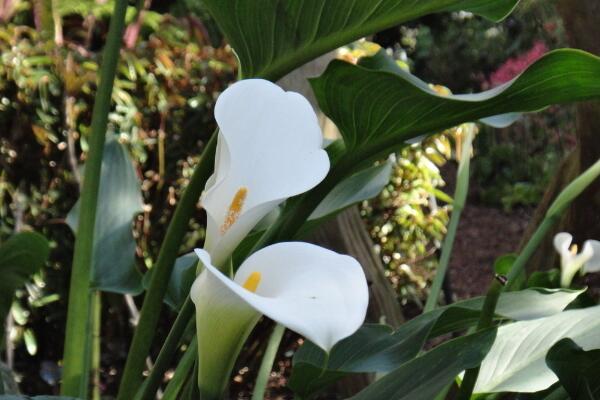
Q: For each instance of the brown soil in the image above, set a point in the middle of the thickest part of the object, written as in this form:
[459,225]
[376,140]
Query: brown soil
[484,233]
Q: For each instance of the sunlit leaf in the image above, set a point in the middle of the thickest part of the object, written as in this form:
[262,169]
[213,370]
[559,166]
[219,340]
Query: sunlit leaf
[516,362]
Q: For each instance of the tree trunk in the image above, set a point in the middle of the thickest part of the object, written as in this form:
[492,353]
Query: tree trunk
[347,234]
[582,219]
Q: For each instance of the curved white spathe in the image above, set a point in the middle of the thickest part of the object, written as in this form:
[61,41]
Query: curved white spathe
[269,146]
[570,262]
[593,264]
[320,294]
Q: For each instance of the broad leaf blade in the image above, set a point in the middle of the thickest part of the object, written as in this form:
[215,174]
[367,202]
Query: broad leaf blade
[516,362]
[363,185]
[577,370]
[119,200]
[424,377]
[376,348]
[22,255]
[381,109]
[272,38]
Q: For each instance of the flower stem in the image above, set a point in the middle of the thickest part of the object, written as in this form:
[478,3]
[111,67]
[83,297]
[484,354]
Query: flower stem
[144,333]
[460,197]
[560,204]
[182,372]
[183,321]
[266,365]
[75,367]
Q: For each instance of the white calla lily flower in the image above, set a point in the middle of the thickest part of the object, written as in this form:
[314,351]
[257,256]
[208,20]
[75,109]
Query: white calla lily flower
[320,294]
[269,148]
[588,260]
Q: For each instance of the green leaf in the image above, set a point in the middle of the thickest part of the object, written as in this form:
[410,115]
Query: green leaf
[180,283]
[363,185]
[272,38]
[372,348]
[376,348]
[120,199]
[381,110]
[516,362]
[424,377]
[577,370]
[22,255]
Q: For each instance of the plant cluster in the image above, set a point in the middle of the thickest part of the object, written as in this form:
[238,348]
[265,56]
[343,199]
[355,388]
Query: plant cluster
[264,179]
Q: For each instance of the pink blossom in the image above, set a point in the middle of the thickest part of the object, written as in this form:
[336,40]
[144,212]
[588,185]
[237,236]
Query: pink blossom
[515,65]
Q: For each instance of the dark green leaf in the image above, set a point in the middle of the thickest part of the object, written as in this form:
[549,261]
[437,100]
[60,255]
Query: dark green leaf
[381,110]
[577,370]
[182,278]
[425,376]
[119,200]
[363,185]
[272,38]
[22,255]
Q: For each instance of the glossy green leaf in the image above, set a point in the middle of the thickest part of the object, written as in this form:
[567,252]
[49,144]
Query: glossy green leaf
[376,348]
[381,110]
[363,185]
[516,361]
[119,200]
[273,37]
[424,377]
[381,61]
[22,255]
[578,371]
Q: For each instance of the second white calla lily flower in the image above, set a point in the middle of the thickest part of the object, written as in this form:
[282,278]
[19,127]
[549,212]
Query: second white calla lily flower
[269,148]
[320,294]
[588,260]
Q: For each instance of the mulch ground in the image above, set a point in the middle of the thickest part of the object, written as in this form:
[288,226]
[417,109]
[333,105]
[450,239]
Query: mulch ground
[484,233]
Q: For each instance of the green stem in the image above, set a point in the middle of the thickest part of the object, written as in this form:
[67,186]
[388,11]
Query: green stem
[144,333]
[183,321]
[555,211]
[79,292]
[182,372]
[266,365]
[96,326]
[460,197]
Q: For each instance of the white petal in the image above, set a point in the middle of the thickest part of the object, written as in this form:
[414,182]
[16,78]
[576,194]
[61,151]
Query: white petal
[316,292]
[593,264]
[562,242]
[273,149]
[222,326]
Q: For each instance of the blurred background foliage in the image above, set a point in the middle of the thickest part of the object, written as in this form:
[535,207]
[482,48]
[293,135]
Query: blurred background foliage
[172,69]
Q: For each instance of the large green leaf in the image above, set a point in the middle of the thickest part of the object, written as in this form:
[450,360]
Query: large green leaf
[380,110]
[516,362]
[273,37]
[22,255]
[119,200]
[577,370]
[376,348]
[425,376]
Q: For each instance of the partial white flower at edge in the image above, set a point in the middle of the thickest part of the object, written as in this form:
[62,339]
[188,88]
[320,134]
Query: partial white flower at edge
[588,260]
[320,294]
[269,148]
